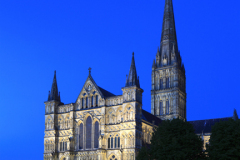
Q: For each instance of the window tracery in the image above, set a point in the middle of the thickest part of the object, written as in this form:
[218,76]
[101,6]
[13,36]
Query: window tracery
[114,141]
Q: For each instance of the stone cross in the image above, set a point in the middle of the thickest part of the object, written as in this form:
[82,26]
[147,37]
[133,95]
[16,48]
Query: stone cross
[89,70]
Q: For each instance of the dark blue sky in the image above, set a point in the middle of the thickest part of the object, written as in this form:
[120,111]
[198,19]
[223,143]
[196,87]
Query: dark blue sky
[38,37]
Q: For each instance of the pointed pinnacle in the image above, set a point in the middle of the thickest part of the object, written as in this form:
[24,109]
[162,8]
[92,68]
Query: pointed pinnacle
[132,76]
[54,89]
[235,116]
[154,64]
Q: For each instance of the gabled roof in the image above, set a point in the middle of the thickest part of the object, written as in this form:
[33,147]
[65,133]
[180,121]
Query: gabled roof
[205,126]
[106,93]
[150,118]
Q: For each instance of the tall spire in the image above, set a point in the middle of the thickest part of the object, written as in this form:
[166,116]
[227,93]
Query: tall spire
[168,37]
[132,79]
[54,94]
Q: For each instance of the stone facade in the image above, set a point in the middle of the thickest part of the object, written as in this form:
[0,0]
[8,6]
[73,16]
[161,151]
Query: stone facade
[99,125]
[103,126]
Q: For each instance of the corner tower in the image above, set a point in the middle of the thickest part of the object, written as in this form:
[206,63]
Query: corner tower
[51,121]
[168,94]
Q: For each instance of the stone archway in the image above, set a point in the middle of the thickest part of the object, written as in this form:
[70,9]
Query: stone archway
[113,157]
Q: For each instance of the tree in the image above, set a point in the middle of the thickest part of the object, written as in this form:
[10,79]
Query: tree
[224,141]
[143,154]
[175,140]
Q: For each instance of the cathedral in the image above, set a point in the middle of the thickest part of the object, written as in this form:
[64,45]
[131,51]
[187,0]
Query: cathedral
[104,126]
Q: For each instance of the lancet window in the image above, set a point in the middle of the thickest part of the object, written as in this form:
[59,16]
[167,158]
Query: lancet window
[86,102]
[87,136]
[96,134]
[161,107]
[82,102]
[81,136]
[92,101]
[96,100]
[114,141]
[167,82]
[161,83]
[167,106]
[89,133]
[62,146]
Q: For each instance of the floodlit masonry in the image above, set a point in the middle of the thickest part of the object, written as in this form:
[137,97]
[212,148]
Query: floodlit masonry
[104,126]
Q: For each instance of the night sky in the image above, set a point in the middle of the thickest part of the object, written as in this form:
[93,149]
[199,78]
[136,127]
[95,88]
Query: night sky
[38,37]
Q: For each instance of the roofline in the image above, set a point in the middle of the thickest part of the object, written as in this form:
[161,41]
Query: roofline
[144,121]
[208,119]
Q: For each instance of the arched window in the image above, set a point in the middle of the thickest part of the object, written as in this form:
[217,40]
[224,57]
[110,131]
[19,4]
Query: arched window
[82,102]
[87,102]
[167,106]
[109,142]
[118,142]
[81,136]
[115,145]
[161,83]
[96,134]
[167,82]
[63,145]
[161,107]
[88,133]
[96,100]
[92,101]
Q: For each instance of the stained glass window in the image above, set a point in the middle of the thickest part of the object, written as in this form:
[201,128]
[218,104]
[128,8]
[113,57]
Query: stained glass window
[167,82]
[118,142]
[88,132]
[87,102]
[96,134]
[108,142]
[112,142]
[96,100]
[81,136]
[167,107]
[92,102]
[161,83]
[82,102]
[161,108]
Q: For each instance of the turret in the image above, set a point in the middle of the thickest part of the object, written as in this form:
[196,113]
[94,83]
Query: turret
[132,79]
[53,97]
[54,94]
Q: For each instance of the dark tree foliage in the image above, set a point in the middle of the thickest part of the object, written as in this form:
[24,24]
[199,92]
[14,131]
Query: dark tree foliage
[175,140]
[143,154]
[224,142]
